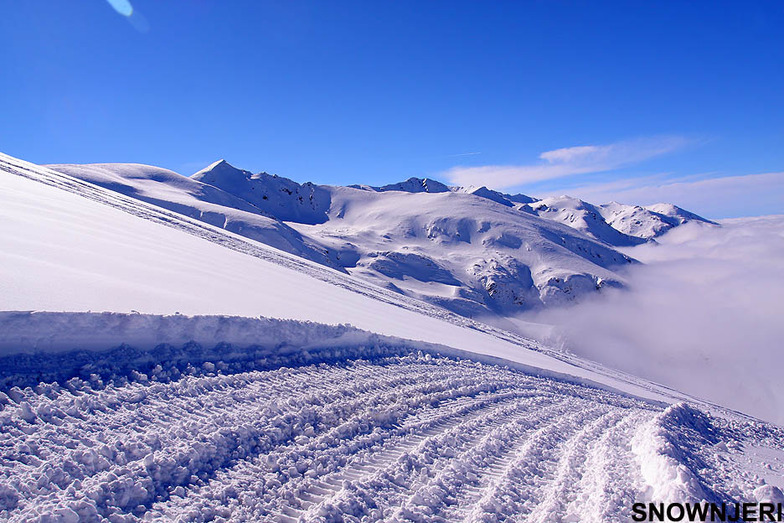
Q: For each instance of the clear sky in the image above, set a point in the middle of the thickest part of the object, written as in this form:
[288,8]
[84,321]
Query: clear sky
[635,101]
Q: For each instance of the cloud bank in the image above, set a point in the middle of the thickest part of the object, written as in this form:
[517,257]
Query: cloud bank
[568,161]
[703,315]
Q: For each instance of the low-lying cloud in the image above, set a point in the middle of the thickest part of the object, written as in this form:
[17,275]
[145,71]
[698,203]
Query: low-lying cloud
[567,162]
[704,315]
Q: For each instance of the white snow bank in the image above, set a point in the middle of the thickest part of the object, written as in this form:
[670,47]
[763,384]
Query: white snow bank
[49,346]
[52,332]
[57,346]
[662,456]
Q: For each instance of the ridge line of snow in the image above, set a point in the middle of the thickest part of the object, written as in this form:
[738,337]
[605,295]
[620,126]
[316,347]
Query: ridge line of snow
[58,346]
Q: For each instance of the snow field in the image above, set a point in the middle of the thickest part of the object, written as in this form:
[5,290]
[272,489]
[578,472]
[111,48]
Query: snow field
[403,438]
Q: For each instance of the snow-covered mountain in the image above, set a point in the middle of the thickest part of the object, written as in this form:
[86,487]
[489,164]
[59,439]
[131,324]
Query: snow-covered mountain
[647,222]
[466,253]
[280,197]
[168,408]
[472,250]
[613,223]
[198,200]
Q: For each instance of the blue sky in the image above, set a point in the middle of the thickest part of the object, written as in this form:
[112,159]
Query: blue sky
[636,101]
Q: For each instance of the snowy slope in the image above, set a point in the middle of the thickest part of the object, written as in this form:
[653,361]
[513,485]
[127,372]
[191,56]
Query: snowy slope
[238,419]
[471,250]
[74,246]
[466,249]
[647,222]
[197,200]
[279,197]
[614,223]
[462,252]
[583,217]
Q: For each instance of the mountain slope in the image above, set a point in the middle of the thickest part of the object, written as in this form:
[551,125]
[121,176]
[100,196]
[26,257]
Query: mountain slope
[133,417]
[499,260]
[583,217]
[197,200]
[471,250]
[468,250]
[74,246]
[279,197]
[465,253]
[647,222]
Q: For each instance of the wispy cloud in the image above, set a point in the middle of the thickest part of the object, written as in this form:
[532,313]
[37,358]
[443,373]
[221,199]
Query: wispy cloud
[568,161]
[715,197]
[463,154]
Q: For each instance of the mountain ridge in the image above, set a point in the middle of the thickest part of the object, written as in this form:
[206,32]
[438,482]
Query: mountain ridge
[471,250]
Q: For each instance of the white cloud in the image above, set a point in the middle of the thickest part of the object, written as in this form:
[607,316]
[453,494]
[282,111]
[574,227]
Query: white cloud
[702,315]
[567,162]
[753,194]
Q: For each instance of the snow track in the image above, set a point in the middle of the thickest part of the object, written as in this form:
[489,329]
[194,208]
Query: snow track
[400,438]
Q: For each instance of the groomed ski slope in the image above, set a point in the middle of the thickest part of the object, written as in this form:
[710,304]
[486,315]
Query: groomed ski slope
[127,417]
[362,430]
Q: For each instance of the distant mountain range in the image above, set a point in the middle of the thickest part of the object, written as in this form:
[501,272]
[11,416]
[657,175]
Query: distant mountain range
[472,250]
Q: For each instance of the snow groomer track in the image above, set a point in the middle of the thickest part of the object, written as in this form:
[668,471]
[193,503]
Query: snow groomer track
[413,437]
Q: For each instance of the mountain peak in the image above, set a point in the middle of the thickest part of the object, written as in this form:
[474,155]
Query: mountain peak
[220,170]
[483,192]
[414,185]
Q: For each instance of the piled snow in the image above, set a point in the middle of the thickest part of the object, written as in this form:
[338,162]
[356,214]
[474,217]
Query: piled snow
[54,332]
[59,346]
[661,462]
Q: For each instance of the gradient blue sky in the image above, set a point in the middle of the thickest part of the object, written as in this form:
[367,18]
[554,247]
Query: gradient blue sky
[635,101]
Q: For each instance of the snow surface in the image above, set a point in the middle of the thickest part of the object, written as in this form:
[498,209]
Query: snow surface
[378,433]
[429,416]
[198,200]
